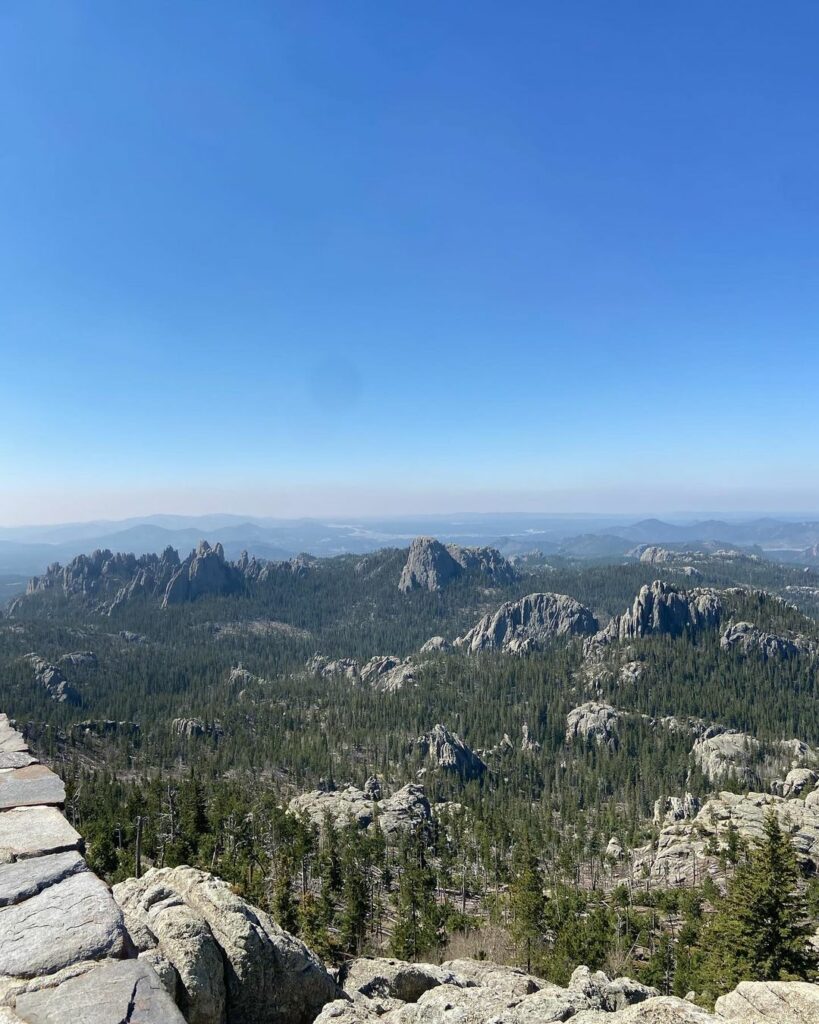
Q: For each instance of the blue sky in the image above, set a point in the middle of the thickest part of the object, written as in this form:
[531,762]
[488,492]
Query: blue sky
[364,257]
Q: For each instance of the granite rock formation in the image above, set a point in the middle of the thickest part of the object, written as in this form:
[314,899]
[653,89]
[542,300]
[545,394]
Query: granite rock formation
[406,809]
[529,624]
[431,565]
[446,751]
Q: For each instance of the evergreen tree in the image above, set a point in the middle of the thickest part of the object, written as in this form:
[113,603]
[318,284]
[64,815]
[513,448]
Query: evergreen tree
[760,933]
[528,905]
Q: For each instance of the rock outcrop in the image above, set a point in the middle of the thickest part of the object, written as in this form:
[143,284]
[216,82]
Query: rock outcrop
[106,581]
[446,751]
[744,638]
[389,674]
[518,627]
[231,960]
[382,672]
[435,644]
[661,609]
[600,721]
[669,809]
[720,753]
[84,659]
[431,565]
[192,727]
[687,849]
[407,808]
[53,681]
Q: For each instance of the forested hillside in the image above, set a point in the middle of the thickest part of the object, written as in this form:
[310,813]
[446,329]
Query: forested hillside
[187,727]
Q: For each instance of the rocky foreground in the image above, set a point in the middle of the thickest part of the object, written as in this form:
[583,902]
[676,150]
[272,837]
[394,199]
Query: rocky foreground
[179,945]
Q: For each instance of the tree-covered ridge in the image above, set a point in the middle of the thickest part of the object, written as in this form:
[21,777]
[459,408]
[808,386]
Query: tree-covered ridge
[167,738]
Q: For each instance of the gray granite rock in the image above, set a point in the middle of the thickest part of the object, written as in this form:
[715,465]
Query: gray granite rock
[744,638]
[11,741]
[74,919]
[594,719]
[530,624]
[34,831]
[71,921]
[270,976]
[777,1002]
[381,977]
[15,759]
[128,992]
[158,920]
[447,751]
[27,787]
[25,878]
[431,565]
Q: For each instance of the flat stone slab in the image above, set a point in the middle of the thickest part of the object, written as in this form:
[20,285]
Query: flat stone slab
[11,740]
[16,759]
[25,878]
[128,992]
[75,919]
[25,787]
[34,831]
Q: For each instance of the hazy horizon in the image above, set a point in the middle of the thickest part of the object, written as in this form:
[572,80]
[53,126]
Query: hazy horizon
[333,261]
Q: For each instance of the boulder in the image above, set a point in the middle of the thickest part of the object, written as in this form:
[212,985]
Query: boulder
[389,673]
[435,644]
[407,808]
[675,808]
[319,665]
[530,624]
[602,993]
[379,977]
[22,879]
[730,752]
[511,981]
[270,977]
[11,741]
[158,921]
[777,1002]
[795,782]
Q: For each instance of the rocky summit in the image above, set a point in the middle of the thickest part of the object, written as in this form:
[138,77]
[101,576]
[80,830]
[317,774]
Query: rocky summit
[431,565]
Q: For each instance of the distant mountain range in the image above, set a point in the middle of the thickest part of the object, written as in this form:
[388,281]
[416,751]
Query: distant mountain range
[27,550]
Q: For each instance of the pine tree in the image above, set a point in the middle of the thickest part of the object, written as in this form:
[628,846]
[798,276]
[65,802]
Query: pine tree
[760,933]
[528,905]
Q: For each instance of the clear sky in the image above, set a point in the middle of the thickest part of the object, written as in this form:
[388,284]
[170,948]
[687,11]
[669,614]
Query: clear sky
[307,257]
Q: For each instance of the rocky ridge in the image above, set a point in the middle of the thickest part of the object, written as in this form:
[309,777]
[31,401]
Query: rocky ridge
[106,581]
[431,565]
[52,680]
[518,627]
